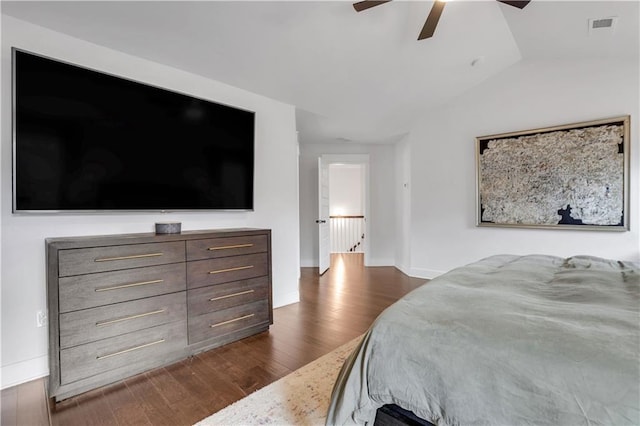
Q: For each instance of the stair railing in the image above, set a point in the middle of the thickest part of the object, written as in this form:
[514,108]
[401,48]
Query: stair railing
[346,234]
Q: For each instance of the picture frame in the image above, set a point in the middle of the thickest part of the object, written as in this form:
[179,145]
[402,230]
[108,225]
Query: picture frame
[573,176]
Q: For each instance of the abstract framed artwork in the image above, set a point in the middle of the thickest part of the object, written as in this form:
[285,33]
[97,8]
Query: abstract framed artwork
[573,176]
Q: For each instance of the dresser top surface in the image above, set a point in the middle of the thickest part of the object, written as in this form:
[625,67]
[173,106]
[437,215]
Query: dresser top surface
[149,237]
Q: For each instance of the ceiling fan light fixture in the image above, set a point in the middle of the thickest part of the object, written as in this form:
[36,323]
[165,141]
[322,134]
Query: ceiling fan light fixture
[432,20]
[368,4]
[429,27]
[520,4]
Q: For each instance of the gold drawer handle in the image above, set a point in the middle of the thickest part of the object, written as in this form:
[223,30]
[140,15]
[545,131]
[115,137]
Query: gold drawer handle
[133,256]
[230,321]
[146,314]
[230,247]
[146,345]
[231,295]
[239,268]
[117,287]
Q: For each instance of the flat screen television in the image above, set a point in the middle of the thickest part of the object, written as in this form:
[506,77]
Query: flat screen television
[88,141]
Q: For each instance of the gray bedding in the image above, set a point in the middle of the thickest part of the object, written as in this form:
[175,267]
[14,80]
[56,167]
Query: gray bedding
[509,340]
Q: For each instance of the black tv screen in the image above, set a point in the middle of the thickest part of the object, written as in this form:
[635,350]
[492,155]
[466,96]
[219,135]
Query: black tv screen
[89,141]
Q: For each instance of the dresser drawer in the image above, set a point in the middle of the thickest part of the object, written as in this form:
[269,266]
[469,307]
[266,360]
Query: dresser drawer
[147,345]
[226,246]
[222,296]
[202,273]
[89,325]
[113,258]
[217,324]
[88,291]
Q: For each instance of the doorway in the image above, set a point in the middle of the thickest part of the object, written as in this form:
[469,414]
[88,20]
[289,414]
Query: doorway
[355,169]
[346,207]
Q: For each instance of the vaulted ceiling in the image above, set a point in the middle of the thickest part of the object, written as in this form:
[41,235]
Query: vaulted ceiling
[352,76]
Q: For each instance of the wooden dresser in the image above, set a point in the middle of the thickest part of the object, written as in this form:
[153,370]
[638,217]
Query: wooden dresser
[123,304]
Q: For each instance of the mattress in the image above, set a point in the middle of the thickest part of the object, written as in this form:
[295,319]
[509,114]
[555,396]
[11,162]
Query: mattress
[508,340]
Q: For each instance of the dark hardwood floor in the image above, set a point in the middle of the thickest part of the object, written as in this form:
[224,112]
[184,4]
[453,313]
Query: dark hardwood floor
[334,308]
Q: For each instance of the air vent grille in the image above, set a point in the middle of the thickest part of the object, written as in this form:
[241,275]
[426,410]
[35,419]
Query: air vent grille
[602,25]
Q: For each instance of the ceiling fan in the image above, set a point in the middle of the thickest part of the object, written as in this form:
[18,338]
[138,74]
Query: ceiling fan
[434,16]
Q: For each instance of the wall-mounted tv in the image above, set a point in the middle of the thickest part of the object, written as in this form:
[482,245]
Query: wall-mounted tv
[87,141]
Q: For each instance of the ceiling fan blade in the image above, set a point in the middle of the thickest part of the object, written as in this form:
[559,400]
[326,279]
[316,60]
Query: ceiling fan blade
[364,5]
[432,20]
[520,4]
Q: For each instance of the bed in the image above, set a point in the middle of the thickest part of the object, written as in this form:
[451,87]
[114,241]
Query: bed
[509,340]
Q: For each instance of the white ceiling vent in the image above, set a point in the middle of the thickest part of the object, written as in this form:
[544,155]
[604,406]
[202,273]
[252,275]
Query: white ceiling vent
[602,25]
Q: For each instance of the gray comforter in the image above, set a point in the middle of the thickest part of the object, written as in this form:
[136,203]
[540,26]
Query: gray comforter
[509,340]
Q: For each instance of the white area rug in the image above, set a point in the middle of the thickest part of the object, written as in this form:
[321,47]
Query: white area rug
[300,398]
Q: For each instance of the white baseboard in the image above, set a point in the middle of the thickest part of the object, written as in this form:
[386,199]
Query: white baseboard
[381,262]
[309,263]
[313,263]
[404,269]
[412,272]
[286,299]
[24,371]
[424,273]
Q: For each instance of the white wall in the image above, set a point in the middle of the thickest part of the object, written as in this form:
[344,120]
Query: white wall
[24,347]
[526,96]
[381,238]
[346,189]
[403,205]
[2,96]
